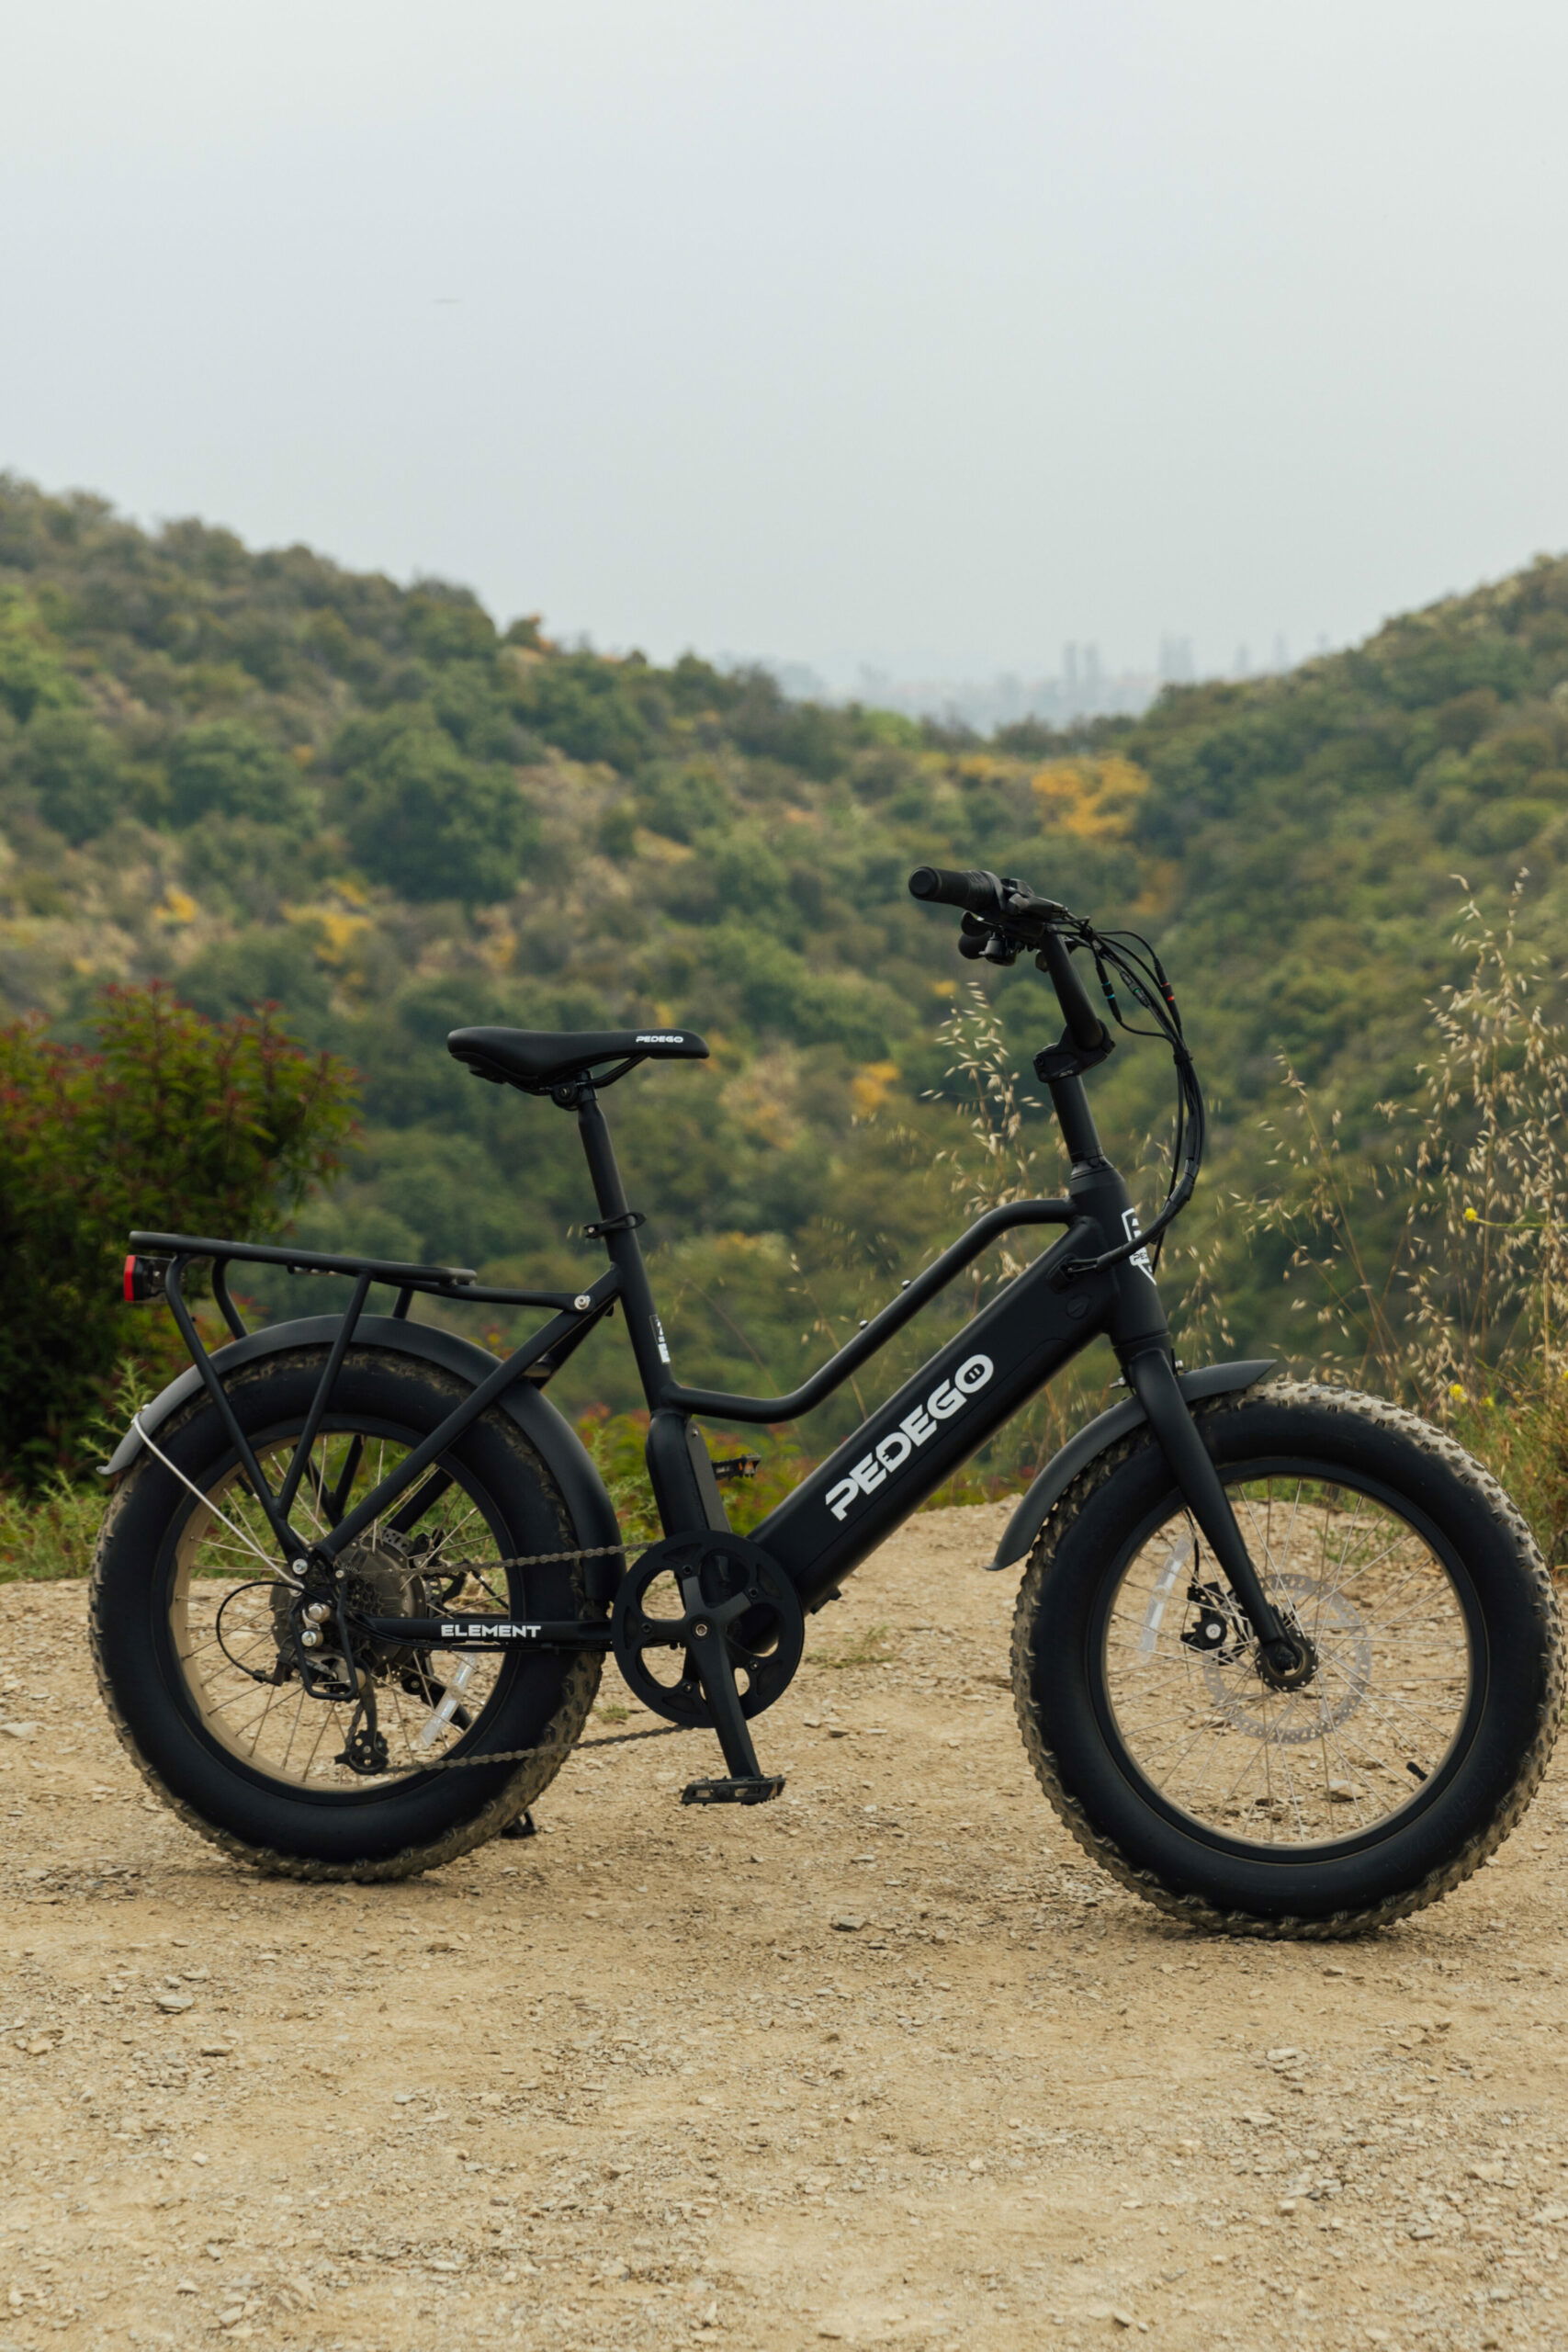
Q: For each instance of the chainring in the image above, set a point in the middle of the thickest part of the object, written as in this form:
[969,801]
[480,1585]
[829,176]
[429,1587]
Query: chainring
[713,1579]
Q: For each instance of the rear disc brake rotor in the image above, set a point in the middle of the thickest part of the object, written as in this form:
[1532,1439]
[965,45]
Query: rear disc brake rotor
[708,1579]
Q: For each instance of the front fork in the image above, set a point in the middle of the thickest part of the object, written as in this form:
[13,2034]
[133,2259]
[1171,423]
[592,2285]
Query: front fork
[1285,1657]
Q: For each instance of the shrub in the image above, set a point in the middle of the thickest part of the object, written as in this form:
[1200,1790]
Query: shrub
[175,1122]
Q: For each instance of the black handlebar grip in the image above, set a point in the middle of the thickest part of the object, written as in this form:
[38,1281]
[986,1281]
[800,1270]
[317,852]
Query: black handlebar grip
[942,886]
[1084,1024]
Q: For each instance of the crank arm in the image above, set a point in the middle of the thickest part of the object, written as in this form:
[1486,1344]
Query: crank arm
[1152,1378]
[710,1652]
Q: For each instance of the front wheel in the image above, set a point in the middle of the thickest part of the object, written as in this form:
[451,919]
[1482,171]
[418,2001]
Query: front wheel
[1393,1771]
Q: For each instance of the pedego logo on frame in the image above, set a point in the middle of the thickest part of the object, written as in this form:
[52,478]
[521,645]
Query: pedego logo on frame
[917,1427]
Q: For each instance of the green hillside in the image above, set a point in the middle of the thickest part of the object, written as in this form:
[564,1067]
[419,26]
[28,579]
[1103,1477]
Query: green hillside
[266,778]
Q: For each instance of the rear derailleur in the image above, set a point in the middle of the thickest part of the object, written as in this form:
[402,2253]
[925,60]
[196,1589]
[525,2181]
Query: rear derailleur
[317,1639]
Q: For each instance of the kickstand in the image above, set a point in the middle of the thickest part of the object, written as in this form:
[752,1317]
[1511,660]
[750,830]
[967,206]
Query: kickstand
[524,1825]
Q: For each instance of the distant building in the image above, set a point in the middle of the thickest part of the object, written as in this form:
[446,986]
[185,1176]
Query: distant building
[1176,664]
[1082,687]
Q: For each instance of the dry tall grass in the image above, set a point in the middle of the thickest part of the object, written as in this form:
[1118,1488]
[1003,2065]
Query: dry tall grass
[1430,1257]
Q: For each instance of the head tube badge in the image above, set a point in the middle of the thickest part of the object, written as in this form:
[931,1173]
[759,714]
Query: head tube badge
[1132,1228]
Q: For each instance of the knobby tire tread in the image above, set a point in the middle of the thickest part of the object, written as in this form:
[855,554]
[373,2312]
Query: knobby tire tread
[1193,1910]
[522,1790]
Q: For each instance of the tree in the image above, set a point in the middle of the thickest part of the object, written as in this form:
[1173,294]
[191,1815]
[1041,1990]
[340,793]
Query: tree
[175,1122]
[224,768]
[72,766]
[427,821]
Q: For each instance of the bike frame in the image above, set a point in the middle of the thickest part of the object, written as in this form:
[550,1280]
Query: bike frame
[841,1512]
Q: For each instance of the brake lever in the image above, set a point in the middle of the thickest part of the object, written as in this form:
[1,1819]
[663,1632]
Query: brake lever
[978,939]
[1025,903]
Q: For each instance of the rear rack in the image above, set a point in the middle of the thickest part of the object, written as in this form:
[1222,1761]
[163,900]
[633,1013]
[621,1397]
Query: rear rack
[436,1282]
[156,1268]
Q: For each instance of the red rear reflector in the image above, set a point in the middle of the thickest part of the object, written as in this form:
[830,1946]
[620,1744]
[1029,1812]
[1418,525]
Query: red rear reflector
[143,1279]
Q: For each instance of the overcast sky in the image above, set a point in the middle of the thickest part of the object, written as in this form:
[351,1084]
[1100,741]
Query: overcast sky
[932,332]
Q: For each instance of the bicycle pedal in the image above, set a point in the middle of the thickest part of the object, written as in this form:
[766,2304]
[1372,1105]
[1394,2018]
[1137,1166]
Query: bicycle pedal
[759,1790]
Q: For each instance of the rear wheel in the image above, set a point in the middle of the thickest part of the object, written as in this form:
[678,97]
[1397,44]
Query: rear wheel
[1393,1771]
[195,1644]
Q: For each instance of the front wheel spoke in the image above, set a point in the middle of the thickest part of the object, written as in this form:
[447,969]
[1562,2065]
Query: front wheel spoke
[1184,1753]
[1363,1583]
[1397,1730]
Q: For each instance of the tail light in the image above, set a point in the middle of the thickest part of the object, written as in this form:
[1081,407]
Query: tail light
[143,1279]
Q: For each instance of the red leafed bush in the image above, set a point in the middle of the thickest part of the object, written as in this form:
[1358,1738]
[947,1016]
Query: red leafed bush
[174,1122]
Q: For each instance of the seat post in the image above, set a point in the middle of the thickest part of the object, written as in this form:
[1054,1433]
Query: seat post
[603,1170]
[643,1327]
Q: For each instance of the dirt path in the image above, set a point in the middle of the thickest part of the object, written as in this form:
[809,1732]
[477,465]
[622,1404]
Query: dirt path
[885,2064]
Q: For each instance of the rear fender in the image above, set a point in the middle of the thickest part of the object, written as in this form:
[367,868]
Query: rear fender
[588,1504]
[1042,1497]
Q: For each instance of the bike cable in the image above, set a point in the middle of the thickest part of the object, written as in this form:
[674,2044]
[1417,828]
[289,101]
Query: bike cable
[1129,957]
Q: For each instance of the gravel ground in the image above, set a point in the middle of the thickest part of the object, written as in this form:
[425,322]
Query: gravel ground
[885,2063]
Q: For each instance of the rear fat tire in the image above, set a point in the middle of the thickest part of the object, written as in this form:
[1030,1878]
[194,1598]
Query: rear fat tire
[1060,1696]
[411,1825]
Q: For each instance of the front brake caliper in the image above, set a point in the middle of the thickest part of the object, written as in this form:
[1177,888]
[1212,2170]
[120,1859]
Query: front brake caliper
[1217,1621]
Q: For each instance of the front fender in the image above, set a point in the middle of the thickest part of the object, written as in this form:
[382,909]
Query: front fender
[591,1513]
[1041,1499]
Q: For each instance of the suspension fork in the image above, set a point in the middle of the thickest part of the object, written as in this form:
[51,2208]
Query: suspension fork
[1285,1658]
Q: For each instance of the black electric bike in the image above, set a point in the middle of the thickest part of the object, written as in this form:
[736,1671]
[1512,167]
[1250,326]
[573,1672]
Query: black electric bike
[1285,1659]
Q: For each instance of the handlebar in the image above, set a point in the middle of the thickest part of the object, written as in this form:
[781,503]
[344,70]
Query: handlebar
[1000,919]
[977,894]
[1030,920]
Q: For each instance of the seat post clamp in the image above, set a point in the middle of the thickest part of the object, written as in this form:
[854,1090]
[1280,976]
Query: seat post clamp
[628,1222]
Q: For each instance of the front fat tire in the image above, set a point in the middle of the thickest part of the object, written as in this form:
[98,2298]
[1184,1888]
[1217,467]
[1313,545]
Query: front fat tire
[1062,1712]
[418,1825]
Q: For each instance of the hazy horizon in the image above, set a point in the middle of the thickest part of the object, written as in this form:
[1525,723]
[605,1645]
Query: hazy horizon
[883,338]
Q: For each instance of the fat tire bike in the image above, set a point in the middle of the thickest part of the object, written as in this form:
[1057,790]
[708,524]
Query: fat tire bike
[1285,1659]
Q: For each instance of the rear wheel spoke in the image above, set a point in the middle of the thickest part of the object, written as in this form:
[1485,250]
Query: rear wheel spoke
[299,1737]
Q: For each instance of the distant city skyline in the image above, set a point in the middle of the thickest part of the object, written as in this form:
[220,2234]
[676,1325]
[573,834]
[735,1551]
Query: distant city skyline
[1083,684]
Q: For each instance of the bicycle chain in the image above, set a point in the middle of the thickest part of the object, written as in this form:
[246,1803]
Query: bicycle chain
[482,1569]
[557,1747]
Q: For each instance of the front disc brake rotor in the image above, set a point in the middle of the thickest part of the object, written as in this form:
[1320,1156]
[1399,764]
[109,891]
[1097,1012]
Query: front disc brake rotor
[713,1579]
[1236,1692]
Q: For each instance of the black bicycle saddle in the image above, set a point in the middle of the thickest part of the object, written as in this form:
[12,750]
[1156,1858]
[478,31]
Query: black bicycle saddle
[537,1059]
